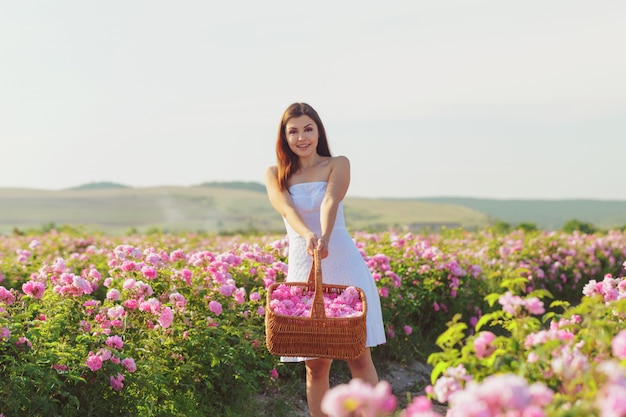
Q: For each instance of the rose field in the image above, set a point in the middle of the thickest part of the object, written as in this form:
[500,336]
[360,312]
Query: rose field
[522,323]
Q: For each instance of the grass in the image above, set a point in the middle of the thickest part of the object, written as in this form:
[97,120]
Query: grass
[203,208]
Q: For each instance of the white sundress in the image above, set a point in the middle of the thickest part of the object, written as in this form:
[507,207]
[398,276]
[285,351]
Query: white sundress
[344,264]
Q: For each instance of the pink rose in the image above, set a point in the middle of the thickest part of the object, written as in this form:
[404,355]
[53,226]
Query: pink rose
[94,362]
[215,307]
[619,345]
[129,364]
[482,344]
[117,382]
[114,342]
[166,317]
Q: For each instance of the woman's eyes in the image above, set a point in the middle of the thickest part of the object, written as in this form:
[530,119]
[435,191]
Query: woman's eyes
[295,132]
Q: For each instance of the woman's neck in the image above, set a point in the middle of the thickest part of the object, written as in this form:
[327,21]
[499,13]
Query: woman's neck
[310,161]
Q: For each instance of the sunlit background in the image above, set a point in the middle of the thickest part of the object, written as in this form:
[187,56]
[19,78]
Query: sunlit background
[522,99]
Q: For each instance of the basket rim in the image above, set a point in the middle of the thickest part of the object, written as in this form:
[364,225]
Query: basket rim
[311,287]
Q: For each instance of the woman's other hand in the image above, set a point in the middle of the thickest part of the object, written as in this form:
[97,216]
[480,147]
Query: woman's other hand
[311,244]
[322,247]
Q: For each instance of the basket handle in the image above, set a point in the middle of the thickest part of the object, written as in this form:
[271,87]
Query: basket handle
[317,308]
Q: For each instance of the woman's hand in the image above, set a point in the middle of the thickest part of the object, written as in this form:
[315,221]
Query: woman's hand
[313,243]
[322,247]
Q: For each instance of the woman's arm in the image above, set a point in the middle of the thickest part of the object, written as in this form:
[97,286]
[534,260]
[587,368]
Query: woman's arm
[284,205]
[338,182]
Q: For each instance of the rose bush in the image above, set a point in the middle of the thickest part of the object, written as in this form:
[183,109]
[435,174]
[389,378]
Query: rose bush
[172,324]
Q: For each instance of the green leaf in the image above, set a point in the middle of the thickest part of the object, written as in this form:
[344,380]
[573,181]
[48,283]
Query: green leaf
[438,370]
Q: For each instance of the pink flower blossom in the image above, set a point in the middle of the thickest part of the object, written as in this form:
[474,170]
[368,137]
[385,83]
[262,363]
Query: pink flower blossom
[178,300]
[23,341]
[113,294]
[420,407]
[6,296]
[128,266]
[228,289]
[359,398]
[166,317]
[129,364]
[117,382]
[5,333]
[186,275]
[274,374]
[215,307]
[143,289]
[500,395]
[105,354]
[59,368]
[22,255]
[510,303]
[611,401]
[297,302]
[149,272]
[34,289]
[114,342]
[94,274]
[129,284]
[152,305]
[153,259]
[240,295]
[452,380]
[534,306]
[177,255]
[483,344]
[94,362]
[116,312]
[255,296]
[81,286]
[611,398]
[618,344]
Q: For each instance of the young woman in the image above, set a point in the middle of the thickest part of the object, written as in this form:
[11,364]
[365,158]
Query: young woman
[307,188]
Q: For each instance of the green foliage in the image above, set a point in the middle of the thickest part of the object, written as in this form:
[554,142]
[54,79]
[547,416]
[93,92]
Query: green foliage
[527,227]
[501,227]
[192,368]
[563,349]
[438,293]
[577,225]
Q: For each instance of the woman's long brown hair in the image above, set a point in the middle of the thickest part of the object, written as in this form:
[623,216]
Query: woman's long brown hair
[288,161]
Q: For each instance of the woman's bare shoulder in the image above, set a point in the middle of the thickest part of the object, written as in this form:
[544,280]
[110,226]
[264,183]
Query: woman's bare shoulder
[340,160]
[271,174]
[271,171]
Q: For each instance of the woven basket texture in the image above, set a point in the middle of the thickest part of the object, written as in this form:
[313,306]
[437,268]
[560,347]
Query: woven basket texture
[317,336]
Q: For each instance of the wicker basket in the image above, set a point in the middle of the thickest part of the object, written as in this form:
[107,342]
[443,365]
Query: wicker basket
[316,336]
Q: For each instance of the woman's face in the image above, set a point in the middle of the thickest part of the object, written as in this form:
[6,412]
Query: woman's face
[302,135]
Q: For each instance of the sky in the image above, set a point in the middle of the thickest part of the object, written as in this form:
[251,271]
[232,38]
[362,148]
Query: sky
[427,98]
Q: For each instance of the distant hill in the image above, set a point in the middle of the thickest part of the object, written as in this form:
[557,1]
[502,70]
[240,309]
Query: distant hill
[236,185]
[210,208]
[98,186]
[230,207]
[548,214]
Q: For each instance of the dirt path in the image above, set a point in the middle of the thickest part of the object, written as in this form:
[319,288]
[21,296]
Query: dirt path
[407,379]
